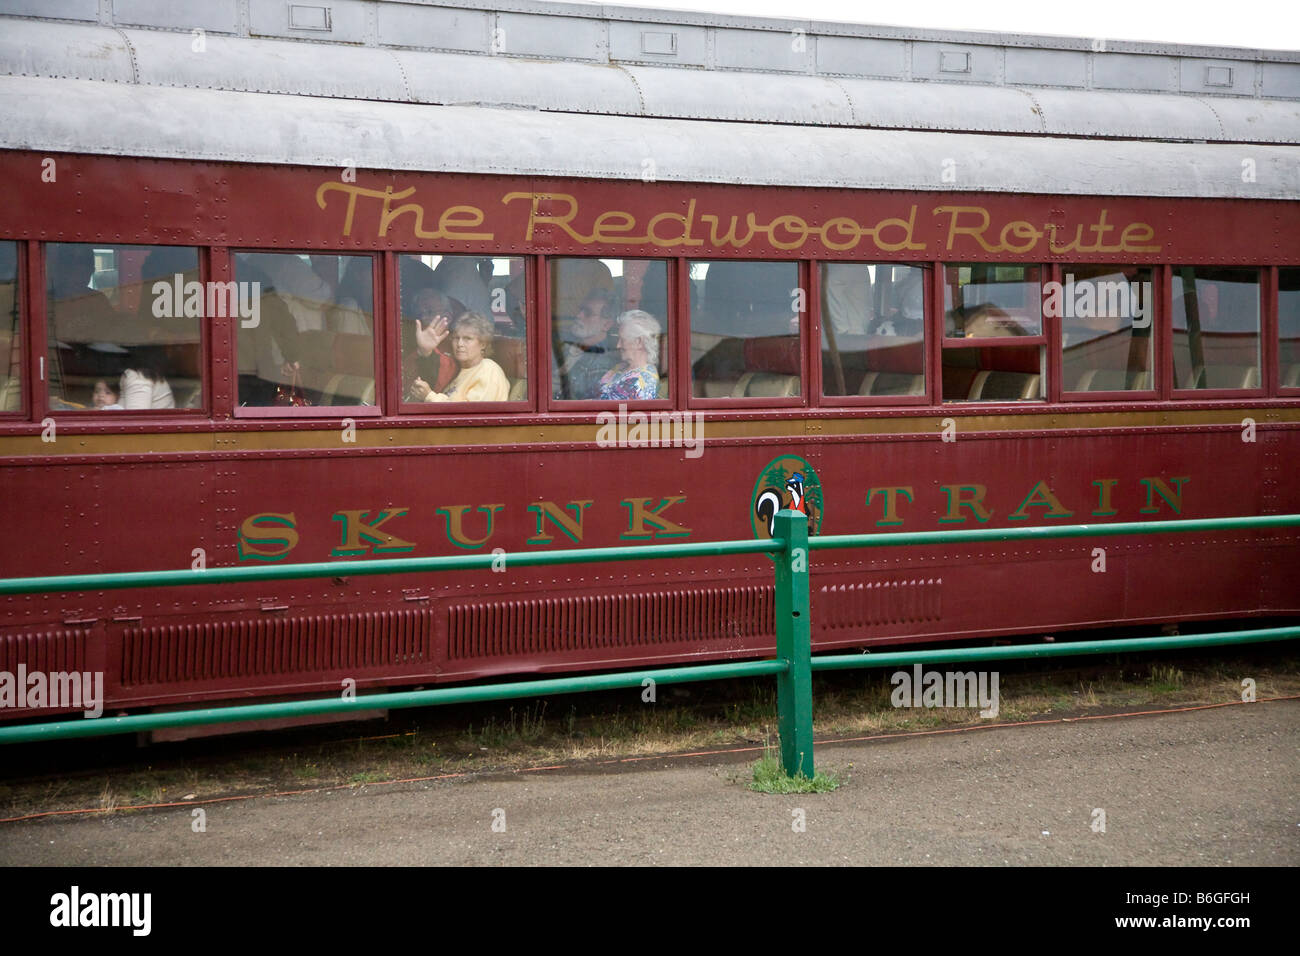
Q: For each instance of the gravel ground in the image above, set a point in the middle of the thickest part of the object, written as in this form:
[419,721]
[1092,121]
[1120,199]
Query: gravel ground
[1211,787]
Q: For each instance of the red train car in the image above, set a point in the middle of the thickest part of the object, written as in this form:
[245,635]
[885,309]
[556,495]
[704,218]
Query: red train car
[265,307]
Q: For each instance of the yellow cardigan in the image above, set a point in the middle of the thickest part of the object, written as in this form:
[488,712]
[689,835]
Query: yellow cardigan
[485,382]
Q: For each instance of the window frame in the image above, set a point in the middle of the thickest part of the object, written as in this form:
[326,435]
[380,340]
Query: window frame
[588,405]
[825,400]
[1159,320]
[310,412]
[21,305]
[1273,321]
[1173,392]
[1048,389]
[393,319]
[40,318]
[808,378]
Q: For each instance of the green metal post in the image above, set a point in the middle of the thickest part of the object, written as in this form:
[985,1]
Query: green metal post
[794,645]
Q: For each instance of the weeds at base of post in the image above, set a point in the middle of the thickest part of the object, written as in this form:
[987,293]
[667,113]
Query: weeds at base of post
[770,777]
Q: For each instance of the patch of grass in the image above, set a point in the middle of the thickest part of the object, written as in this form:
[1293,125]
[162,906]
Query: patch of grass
[367,776]
[1165,679]
[525,726]
[144,793]
[307,771]
[108,801]
[769,777]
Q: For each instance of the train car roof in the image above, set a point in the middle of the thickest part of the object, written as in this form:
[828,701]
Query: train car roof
[529,88]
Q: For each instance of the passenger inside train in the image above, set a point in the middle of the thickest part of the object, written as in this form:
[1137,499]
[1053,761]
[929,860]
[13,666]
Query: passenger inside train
[430,289]
[480,379]
[636,377]
[313,343]
[583,349]
[425,356]
[113,312]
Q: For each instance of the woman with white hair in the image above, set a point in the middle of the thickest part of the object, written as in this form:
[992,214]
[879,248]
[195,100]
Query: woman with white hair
[636,377]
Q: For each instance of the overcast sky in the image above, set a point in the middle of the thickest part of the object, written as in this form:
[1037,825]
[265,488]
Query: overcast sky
[1271,24]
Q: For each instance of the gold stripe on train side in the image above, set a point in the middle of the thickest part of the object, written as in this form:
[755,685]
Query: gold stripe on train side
[330,438]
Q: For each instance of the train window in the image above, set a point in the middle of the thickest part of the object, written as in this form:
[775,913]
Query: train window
[994,350]
[11,352]
[1216,328]
[313,339]
[1288,327]
[745,329]
[1106,316]
[464,329]
[873,325]
[124,327]
[984,300]
[609,329]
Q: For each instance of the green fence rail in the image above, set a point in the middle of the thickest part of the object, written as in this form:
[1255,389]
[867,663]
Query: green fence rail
[793,665]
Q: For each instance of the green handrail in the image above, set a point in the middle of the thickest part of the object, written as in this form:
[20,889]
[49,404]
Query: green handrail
[1118,645]
[336,569]
[791,548]
[968,535]
[135,723]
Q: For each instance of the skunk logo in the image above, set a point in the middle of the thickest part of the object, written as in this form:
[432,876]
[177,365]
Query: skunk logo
[788,483]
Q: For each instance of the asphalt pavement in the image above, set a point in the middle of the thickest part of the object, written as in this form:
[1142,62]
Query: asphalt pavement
[1208,787]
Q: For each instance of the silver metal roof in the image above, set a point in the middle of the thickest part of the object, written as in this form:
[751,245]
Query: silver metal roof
[645,77]
[471,24]
[128,119]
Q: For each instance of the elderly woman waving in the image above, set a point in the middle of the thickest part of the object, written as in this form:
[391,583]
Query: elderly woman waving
[636,377]
[480,379]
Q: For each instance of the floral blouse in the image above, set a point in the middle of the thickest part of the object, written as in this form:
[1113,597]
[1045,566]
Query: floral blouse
[622,383]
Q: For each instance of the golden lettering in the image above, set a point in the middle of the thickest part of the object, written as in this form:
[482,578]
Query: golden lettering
[535,215]
[449,223]
[846,227]
[977,233]
[1173,497]
[786,231]
[1141,233]
[571,527]
[455,516]
[687,223]
[1101,227]
[353,192]
[614,221]
[791,224]
[1040,496]
[965,496]
[907,227]
[268,536]
[451,220]
[891,495]
[360,535]
[1022,230]
[730,237]
[1053,248]
[645,522]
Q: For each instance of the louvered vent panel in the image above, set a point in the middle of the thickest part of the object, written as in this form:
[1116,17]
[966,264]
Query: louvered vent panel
[217,650]
[598,621]
[879,602]
[58,651]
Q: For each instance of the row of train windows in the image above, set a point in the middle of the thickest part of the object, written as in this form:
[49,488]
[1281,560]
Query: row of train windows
[124,329]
